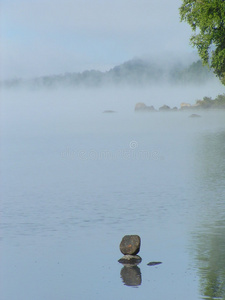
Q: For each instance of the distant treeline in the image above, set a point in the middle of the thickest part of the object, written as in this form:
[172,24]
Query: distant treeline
[134,72]
[205,103]
[209,103]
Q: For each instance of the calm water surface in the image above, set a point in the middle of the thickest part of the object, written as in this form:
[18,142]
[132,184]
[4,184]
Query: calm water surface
[75,180]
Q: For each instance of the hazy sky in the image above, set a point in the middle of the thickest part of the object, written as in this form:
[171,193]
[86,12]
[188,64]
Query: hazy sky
[40,37]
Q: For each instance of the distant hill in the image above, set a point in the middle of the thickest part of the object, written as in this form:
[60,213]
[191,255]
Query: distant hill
[133,72]
[195,73]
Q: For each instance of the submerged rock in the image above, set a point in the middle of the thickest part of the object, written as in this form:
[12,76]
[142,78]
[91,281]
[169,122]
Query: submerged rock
[154,263]
[130,244]
[194,116]
[130,260]
[108,111]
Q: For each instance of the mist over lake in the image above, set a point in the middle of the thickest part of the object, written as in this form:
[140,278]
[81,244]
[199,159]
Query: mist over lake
[75,180]
[112,177]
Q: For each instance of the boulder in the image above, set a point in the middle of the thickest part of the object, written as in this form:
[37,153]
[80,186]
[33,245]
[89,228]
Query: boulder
[142,107]
[130,244]
[164,108]
[185,105]
[150,108]
[130,260]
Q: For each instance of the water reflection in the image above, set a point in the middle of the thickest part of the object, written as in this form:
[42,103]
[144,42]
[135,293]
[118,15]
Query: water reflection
[209,239]
[131,275]
[211,261]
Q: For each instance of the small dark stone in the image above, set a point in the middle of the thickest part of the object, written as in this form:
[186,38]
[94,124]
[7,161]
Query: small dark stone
[154,263]
[131,276]
[130,244]
[194,116]
[108,111]
[130,260]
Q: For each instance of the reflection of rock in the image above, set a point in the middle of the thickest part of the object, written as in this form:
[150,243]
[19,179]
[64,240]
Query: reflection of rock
[194,116]
[108,111]
[142,107]
[130,259]
[164,108]
[130,244]
[131,275]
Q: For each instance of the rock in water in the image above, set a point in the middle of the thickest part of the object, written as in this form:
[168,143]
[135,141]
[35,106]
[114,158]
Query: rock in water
[141,107]
[108,111]
[130,244]
[164,108]
[130,260]
[154,263]
[194,116]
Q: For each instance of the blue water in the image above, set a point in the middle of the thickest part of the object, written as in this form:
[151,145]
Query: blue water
[74,181]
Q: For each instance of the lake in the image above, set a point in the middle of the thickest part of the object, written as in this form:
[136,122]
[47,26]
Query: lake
[75,180]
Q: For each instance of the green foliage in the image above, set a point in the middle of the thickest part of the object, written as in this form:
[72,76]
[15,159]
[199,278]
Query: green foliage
[136,72]
[211,262]
[207,20]
[195,73]
[217,103]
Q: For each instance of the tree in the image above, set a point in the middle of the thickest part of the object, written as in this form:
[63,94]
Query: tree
[207,20]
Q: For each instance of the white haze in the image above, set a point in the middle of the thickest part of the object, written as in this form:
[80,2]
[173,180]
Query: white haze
[70,180]
[50,37]
[88,104]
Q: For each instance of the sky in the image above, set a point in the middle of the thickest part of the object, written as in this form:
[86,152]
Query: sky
[45,37]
